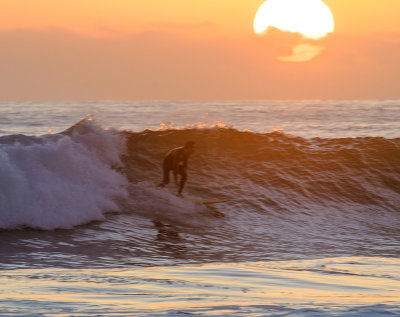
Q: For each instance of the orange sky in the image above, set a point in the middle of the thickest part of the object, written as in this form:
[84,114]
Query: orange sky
[157,49]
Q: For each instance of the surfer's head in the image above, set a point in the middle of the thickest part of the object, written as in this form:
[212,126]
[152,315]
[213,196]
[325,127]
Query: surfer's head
[189,147]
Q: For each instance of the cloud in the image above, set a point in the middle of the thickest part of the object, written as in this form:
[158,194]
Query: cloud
[291,46]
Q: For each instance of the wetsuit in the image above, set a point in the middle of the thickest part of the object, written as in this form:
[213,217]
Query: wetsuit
[176,161]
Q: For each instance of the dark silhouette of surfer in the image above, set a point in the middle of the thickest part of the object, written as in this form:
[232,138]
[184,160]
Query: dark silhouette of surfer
[176,161]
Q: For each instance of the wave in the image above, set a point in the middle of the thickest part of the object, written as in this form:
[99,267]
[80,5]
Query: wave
[274,171]
[60,180]
[74,177]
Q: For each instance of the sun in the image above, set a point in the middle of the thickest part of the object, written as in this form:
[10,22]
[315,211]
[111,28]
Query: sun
[311,18]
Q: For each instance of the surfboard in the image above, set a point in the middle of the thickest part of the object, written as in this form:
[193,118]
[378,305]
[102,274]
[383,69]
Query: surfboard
[203,201]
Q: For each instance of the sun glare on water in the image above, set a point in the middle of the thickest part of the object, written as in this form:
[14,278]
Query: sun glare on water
[310,18]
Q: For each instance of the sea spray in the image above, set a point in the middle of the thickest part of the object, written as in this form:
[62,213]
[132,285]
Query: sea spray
[59,181]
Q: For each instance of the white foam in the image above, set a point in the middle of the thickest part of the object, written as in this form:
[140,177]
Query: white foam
[162,204]
[59,181]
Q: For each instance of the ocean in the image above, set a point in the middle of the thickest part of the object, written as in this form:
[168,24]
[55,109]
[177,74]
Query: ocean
[311,226]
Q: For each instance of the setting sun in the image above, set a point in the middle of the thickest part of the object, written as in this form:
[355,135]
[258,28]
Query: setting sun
[311,18]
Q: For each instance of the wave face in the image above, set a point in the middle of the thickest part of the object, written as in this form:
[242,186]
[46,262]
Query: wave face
[289,196]
[60,180]
[276,172]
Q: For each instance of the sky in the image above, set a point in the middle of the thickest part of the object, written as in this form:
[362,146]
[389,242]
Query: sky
[79,50]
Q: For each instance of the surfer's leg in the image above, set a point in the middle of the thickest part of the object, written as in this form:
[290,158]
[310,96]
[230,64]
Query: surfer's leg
[182,182]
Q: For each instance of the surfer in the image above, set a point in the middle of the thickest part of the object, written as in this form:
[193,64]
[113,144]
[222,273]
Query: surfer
[176,161]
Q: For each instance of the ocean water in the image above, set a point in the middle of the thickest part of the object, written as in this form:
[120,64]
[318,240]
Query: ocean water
[311,226]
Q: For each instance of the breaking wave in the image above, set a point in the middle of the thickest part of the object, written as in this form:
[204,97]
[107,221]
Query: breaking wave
[67,179]
[60,180]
